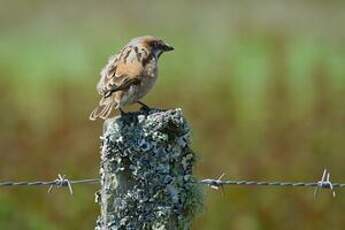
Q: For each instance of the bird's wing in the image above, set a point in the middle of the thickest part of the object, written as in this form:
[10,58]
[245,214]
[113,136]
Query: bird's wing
[122,70]
[126,83]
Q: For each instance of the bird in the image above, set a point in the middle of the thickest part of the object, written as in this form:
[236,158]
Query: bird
[129,75]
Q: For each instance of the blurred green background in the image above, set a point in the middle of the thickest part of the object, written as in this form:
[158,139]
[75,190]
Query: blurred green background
[261,82]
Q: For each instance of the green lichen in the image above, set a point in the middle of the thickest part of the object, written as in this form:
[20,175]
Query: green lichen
[146,172]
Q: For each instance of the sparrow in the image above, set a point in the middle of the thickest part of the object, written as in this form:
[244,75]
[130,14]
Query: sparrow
[129,75]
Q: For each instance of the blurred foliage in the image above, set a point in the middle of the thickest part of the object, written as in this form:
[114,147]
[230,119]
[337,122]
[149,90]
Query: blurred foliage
[261,82]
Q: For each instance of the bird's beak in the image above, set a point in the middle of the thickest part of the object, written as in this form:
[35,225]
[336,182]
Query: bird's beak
[166,47]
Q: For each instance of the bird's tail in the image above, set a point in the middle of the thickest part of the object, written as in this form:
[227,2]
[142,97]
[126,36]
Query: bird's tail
[103,110]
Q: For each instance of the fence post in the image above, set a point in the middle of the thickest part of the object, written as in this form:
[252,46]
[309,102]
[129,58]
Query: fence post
[146,172]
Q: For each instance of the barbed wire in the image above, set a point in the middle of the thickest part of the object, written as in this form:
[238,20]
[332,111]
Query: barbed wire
[62,181]
[324,183]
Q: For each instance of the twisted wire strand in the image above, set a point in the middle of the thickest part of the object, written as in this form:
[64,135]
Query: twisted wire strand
[324,183]
[218,183]
[213,182]
[47,183]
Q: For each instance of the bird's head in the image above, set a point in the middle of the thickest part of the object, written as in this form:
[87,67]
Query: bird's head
[154,45]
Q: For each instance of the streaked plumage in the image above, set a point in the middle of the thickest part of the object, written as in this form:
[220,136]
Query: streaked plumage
[129,75]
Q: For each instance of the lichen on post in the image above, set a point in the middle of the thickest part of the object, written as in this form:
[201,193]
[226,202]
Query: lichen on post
[146,172]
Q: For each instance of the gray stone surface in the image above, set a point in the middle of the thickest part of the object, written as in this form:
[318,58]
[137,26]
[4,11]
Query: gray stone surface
[146,172]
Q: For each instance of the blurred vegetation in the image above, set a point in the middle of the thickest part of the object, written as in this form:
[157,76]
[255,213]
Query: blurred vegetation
[262,84]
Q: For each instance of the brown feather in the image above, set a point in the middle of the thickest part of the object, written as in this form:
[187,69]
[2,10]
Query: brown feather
[104,109]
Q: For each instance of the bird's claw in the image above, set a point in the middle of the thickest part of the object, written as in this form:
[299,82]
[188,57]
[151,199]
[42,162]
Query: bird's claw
[144,107]
[122,113]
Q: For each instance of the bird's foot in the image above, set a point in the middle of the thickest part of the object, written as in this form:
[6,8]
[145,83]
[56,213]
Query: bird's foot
[122,113]
[125,119]
[144,107]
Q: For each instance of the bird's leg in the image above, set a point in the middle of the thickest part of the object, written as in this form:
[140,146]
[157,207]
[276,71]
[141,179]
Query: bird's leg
[122,112]
[145,107]
[127,120]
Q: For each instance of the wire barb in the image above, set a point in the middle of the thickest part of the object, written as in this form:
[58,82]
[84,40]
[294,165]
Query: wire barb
[214,183]
[61,181]
[324,183]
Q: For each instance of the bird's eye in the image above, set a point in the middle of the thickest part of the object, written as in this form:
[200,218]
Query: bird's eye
[154,44]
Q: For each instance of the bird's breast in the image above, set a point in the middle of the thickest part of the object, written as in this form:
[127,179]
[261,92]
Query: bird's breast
[146,84]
